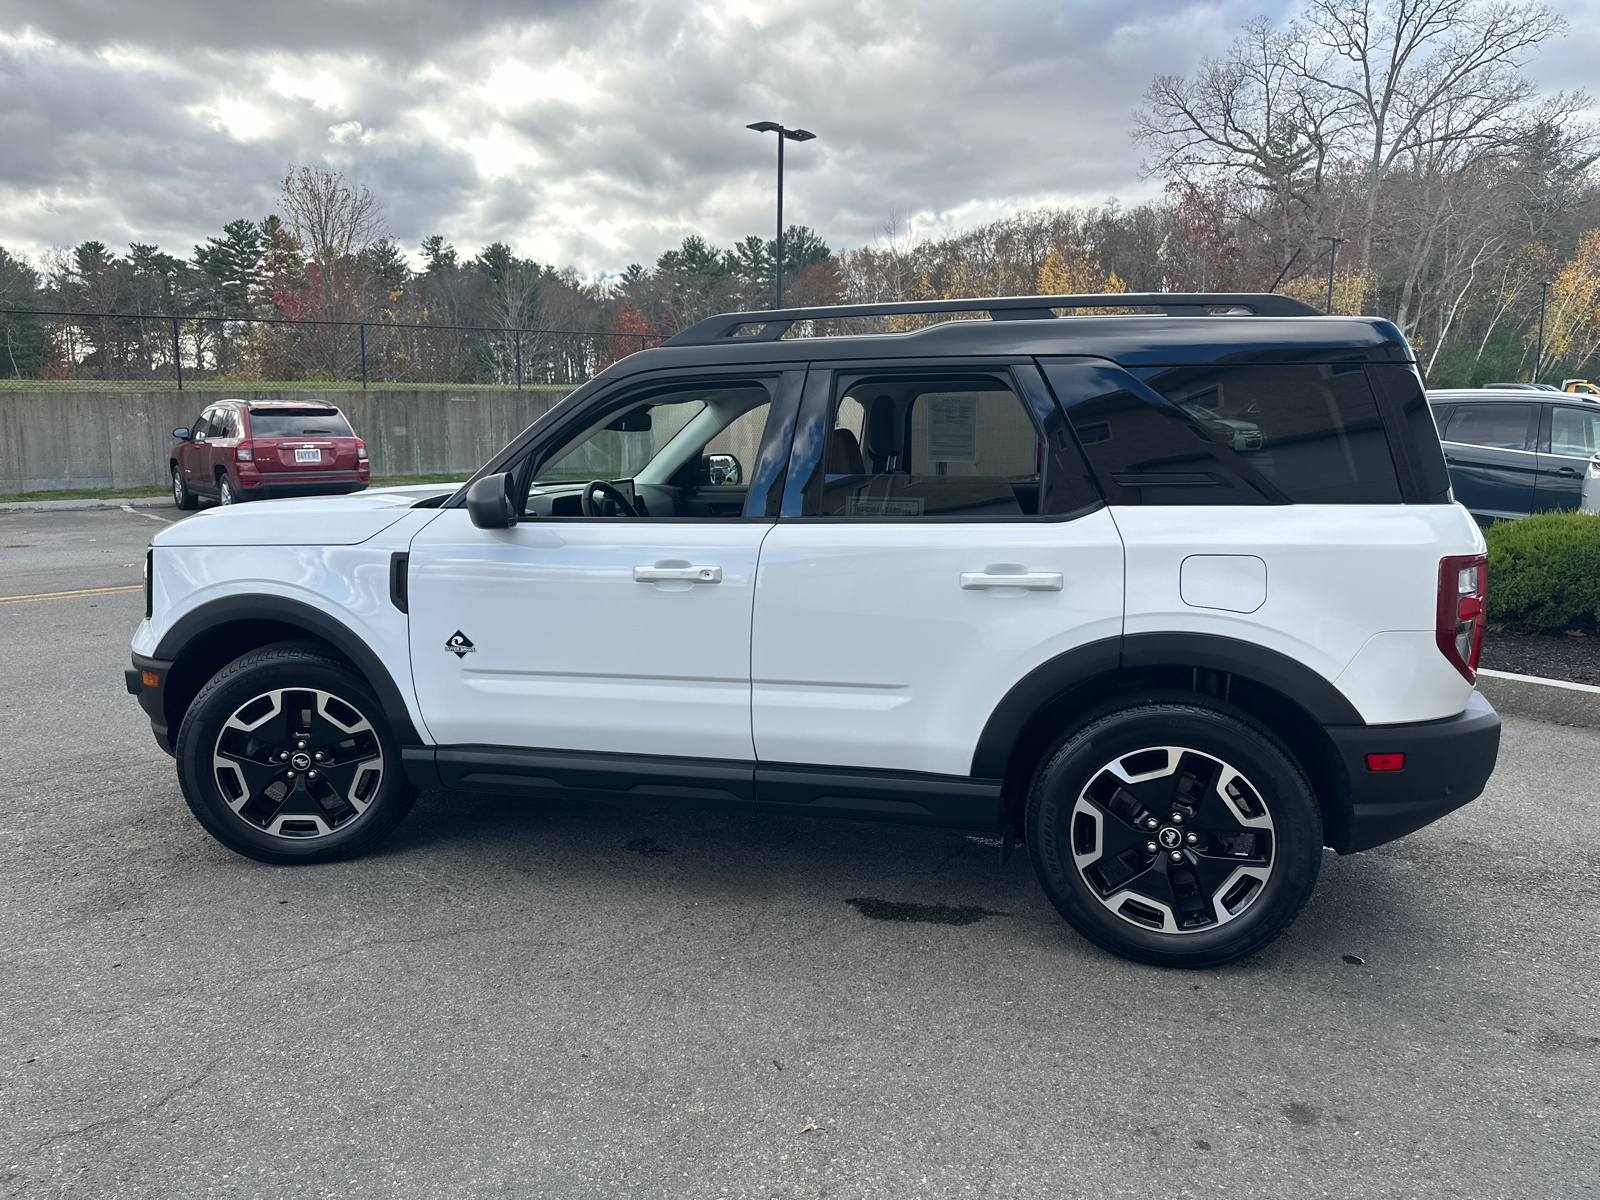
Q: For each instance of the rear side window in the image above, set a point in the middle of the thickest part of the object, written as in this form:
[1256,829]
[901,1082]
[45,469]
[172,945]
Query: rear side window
[931,448]
[294,422]
[1500,426]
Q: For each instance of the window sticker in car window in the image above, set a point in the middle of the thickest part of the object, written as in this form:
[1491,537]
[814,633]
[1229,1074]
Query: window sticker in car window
[883,506]
[952,426]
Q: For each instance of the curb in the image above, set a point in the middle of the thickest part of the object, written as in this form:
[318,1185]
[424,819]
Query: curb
[1553,700]
[113,502]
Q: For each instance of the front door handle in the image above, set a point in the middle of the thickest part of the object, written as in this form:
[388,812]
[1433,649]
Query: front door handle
[1568,472]
[674,569]
[1030,581]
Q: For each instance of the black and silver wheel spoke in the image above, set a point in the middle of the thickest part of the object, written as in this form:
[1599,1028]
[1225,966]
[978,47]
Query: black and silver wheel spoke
[298,763]
[1172,839]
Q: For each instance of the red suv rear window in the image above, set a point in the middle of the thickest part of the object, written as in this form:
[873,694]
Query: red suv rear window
[294,422]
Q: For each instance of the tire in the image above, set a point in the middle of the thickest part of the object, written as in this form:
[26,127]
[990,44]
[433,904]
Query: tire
[225,492]
[1205,783]
[247,766]
[182,497]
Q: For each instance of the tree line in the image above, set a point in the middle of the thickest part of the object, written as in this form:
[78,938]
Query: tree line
[1399,144]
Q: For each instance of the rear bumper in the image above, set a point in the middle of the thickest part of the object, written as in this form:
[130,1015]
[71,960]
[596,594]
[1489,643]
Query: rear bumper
[152,697]
[272,485]
[1447,764]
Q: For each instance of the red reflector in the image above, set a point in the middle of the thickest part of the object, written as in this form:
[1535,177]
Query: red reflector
[1386,762]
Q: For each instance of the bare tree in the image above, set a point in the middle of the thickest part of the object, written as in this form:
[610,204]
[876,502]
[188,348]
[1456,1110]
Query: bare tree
[1420,76]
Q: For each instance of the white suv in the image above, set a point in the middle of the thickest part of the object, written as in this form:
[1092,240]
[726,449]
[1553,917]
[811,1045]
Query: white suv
[1174,598]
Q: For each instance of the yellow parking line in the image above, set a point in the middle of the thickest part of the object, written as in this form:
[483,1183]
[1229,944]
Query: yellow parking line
[132,587]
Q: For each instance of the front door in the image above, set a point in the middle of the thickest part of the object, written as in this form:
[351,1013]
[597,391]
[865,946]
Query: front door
[626,631]
[1566,449]
[937,560]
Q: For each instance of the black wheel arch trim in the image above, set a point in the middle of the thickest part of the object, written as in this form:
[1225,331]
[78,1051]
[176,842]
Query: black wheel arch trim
[279,609]
[1320,699]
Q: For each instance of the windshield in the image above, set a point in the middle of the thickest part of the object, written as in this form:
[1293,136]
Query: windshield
[292,422]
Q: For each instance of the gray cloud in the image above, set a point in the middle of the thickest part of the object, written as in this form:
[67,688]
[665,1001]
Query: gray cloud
[589,133]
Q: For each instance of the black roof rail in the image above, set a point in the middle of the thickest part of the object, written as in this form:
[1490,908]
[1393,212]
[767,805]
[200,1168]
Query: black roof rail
[776,322]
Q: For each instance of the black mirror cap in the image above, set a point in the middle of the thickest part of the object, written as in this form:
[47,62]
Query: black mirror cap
[489,503]
[181,433]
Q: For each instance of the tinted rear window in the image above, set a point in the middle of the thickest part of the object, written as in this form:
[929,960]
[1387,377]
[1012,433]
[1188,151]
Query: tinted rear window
[1312,432]
[313,422]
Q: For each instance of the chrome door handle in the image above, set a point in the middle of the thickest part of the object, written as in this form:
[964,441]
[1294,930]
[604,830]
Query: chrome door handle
[664,572]
[1031,581]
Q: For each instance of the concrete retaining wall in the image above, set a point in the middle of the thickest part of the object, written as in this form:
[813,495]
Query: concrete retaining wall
[51,440]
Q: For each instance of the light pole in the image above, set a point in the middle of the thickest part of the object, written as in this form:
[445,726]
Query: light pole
[1333,254]
[1538,358]
[790,135]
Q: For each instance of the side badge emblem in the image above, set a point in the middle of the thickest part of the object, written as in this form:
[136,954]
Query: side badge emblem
[460,644]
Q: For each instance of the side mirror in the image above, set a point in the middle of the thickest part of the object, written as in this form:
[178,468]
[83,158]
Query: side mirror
[489,503]
[721,470]
[181,433]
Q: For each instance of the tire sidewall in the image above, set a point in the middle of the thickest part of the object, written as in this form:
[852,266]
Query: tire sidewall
[242,681]
[1229,736]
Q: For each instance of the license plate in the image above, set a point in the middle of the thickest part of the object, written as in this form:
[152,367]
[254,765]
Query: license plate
[312,455]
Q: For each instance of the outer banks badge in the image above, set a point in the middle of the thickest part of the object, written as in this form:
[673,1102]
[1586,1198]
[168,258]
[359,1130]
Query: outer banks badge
[460,644]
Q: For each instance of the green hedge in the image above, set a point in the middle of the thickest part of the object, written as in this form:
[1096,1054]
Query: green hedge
[1544,573]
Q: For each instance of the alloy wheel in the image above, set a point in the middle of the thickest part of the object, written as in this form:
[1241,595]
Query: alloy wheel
[224,491]
[1173,840]
[298,763]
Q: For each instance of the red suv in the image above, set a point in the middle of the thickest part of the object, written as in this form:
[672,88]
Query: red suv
[242,450]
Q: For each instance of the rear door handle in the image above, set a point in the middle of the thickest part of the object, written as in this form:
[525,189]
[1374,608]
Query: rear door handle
[1568,472]
[1031,581]
[665,572]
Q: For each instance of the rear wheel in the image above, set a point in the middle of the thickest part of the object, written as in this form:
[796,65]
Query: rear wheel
[181,495]
[225,492]
[1174,833]
[285,756]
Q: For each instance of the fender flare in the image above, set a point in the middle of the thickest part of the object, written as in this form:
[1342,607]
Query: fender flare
[1321,700]
[280,610]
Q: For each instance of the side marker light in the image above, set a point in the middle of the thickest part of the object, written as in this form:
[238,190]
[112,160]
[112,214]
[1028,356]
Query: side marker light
[1386,762]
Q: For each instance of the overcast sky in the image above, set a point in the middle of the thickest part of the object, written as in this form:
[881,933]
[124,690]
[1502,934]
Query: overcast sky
[592,133]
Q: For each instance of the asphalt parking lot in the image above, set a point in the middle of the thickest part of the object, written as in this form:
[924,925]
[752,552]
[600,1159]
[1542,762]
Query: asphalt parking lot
[554,1000]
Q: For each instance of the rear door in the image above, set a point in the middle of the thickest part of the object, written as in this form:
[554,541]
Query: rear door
[1489,448]
[1568,440]
[938,543]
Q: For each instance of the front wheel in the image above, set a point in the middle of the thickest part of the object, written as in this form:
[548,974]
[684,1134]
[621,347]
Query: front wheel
[181,495]
[285,757]
[1174,833]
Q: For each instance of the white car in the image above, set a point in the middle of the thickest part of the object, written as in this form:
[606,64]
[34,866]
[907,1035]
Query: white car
[987,575]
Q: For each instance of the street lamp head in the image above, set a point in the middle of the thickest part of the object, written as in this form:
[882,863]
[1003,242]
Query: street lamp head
[798,135]
[765,126]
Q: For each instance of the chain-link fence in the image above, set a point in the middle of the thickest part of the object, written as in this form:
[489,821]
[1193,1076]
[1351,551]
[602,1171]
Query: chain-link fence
[92,351]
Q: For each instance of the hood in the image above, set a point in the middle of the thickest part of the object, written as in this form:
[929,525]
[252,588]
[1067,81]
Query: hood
[311,521]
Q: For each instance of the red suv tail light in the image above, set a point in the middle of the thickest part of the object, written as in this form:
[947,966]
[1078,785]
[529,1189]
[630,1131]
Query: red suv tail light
[361,450]
[244,452]
[1463,588]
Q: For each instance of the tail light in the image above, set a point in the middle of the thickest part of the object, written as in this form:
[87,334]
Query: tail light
[1463,591]
[361,450]
[244,452]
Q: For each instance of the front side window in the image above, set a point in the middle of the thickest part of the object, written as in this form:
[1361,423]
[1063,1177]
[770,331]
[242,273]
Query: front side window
[679,453]
[931,448]
[1499,426]
[1574,432]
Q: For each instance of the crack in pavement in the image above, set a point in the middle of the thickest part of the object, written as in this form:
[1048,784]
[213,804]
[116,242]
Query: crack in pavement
[146,1110]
